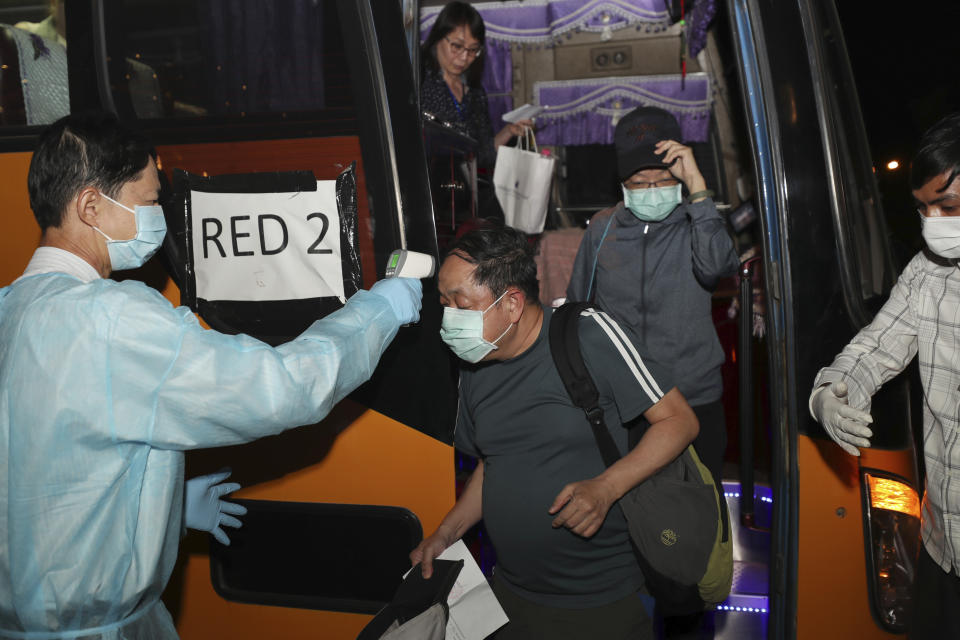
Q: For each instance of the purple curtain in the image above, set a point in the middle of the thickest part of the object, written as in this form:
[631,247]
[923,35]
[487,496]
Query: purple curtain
[498,80]
[537,23]
[700,19]
[545,21]
[586,111]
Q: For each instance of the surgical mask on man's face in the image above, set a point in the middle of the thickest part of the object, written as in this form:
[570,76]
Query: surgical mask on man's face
[462,331]
[132,253]
[653,204]
[942,235]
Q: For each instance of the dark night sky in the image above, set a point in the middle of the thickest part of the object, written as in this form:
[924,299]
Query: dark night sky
[903,61]
[904,58]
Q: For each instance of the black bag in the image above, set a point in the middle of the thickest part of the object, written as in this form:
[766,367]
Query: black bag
[677,518]
[418,610]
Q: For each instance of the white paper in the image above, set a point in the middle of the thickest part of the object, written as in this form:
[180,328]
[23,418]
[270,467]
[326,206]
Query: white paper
[526,112]
[267,246]
[475,612]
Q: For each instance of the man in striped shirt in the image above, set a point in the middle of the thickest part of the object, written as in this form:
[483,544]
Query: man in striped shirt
[921,317]
[565,567]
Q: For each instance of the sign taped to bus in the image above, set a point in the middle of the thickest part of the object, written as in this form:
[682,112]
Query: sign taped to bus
[264,253]
[260,247]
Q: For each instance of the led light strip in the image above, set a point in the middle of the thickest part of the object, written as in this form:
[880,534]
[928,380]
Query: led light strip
[743,603]
[736,494]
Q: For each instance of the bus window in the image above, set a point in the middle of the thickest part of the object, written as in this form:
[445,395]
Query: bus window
[33,64]
[282,555]
[227,60]
[862,227]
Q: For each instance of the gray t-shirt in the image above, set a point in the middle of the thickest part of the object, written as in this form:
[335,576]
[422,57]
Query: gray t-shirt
[517,416]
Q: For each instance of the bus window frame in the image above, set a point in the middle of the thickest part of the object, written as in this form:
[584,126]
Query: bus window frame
[746,21]
[19,138]
[827,67]
[385,117]
[90,34]
[371,565]
[890,433]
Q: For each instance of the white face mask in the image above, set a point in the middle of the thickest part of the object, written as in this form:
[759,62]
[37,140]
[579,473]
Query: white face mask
[133,253]
[462,331]
[654,204]
[942,235]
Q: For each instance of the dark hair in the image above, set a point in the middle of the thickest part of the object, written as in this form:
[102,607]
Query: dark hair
[79,151]
[939,152]
[455,14]
[503,258]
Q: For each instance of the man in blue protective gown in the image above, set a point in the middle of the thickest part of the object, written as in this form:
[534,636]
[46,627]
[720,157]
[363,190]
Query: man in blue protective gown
[104,384]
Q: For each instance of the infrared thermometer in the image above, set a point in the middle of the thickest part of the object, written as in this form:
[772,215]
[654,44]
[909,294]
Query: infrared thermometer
[410,264]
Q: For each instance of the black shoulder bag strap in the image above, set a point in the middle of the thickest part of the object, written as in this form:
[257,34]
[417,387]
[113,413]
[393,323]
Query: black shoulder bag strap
[565,349]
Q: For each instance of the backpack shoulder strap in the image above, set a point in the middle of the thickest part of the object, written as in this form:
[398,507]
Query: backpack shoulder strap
[568,358]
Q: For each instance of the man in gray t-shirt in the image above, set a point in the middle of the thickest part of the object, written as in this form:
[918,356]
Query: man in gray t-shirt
[565,567]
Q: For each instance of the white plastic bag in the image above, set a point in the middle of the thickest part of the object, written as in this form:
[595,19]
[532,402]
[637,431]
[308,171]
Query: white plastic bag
[521,180]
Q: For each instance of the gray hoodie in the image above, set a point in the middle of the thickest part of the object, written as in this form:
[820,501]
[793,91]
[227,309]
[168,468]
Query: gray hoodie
[657,278]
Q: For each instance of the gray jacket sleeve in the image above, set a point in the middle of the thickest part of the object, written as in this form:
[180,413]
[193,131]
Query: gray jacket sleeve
[714,256]
[579,286]
[580,276]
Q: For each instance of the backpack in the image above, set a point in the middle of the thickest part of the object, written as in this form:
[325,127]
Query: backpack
[678,519]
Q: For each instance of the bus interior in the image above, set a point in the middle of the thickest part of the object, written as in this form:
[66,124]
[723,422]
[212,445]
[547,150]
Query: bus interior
[766,96]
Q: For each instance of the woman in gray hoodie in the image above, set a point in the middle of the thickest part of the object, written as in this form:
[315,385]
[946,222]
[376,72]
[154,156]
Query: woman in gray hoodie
[653,260]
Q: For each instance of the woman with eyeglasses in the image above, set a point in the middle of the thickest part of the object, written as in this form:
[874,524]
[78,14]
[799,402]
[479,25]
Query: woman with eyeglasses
[450,89]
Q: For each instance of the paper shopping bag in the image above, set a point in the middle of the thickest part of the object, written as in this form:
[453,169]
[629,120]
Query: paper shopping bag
[521,181]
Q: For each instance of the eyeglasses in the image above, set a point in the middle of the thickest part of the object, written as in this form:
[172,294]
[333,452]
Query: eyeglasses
[458,48]
[639,184]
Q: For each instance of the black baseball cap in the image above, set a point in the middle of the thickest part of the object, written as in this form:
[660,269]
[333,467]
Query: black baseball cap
[636,135]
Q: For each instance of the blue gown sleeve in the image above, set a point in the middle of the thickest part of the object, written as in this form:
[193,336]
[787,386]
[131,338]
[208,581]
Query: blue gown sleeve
[176,385]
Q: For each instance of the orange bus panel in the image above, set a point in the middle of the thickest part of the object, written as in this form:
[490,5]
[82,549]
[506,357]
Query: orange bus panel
[373,460]
[832,598]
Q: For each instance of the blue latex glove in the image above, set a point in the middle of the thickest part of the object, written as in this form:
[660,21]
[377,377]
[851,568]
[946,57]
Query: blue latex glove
[205,511]
[404,295]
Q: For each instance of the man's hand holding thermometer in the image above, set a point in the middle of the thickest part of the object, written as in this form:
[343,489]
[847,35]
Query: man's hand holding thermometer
[401,284]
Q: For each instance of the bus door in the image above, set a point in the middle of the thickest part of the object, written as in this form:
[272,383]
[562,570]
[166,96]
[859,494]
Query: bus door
[813,527]
[844,530]
[227,87]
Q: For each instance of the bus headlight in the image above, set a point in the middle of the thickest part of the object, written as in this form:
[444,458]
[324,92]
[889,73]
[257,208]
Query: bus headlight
[892,524]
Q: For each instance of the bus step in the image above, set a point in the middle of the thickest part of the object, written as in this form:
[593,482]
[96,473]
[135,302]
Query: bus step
[744,614]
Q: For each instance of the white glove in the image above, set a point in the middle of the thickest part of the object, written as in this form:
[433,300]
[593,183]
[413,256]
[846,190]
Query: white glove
[846,425]
[205,511]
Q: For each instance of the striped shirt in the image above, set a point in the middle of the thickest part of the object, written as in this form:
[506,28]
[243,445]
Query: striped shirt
[921,317]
